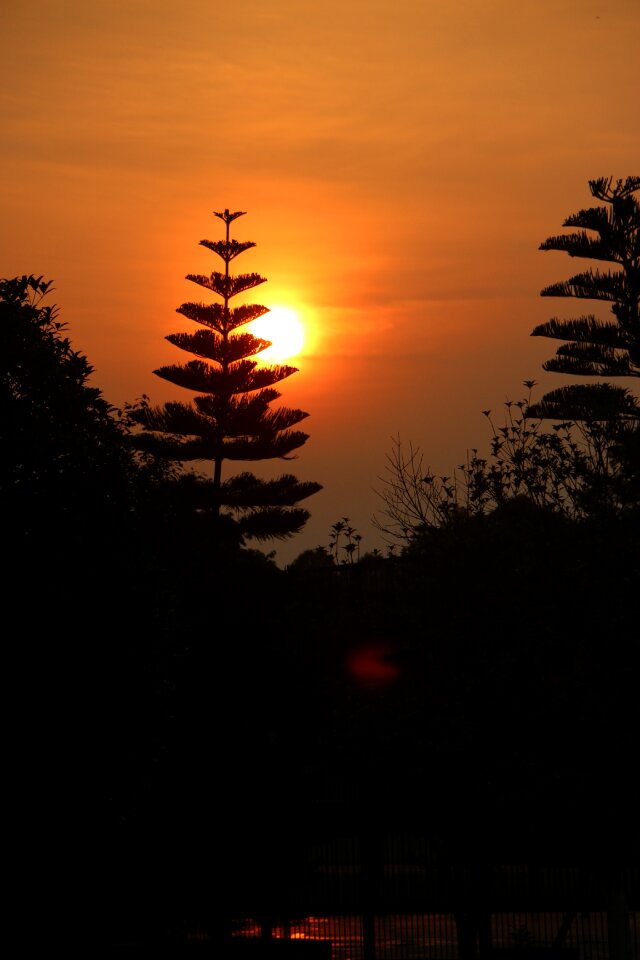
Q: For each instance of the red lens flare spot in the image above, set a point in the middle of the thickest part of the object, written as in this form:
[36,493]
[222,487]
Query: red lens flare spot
[373,665]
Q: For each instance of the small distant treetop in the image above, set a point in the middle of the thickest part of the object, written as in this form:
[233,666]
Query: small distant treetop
[231,418]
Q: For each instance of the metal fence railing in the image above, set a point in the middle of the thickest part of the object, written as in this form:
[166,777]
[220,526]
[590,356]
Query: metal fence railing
[400,900]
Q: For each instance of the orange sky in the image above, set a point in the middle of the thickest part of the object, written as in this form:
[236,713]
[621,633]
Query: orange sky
[400,162]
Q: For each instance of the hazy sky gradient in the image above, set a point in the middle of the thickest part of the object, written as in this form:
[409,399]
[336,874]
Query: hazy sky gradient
[400,162]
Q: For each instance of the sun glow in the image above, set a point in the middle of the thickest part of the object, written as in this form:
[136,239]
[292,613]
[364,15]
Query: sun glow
[284,328]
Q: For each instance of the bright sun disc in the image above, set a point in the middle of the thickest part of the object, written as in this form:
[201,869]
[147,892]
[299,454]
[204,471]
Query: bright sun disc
[283,327]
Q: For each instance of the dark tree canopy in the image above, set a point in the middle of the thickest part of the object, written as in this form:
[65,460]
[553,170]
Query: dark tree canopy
[63,447]
[231,418]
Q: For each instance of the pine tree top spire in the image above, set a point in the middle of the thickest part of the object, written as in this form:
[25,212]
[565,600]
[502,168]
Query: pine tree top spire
[229,217]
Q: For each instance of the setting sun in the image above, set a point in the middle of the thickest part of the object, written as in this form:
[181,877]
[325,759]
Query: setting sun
[284,328]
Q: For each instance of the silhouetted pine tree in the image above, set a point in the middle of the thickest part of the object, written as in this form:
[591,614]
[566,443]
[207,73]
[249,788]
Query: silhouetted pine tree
[609,415]
[595,347]
[231,418]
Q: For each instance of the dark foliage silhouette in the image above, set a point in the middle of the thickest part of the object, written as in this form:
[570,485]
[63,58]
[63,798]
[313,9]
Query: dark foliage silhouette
[64,448]
[588,463]
[610,234]
[70,474]
[572,469]
[597,348]
[231,418]
[74,496]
